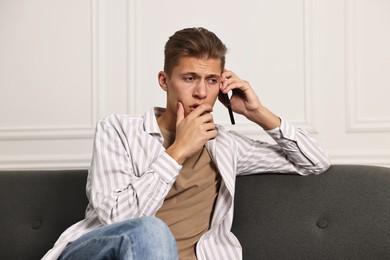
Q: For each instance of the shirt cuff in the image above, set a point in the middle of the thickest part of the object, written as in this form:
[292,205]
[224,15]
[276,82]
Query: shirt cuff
[285,131]
[167,167]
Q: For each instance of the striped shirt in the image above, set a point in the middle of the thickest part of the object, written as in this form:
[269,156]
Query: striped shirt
[131,174]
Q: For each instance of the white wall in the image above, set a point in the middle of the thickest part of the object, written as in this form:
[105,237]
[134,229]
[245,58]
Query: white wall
[321,64]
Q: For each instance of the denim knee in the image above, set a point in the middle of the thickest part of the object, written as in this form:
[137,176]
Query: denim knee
[155,229]
[146,238]
[154,225]
[153,237]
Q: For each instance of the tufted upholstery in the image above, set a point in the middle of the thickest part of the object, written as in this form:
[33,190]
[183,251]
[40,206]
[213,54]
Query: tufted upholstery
[341,214]
[36,207]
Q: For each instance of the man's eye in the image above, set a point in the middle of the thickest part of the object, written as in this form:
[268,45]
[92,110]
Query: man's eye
[213,81]
[189,78]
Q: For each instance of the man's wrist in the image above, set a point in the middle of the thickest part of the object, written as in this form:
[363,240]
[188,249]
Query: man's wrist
[176,154]
[266,119]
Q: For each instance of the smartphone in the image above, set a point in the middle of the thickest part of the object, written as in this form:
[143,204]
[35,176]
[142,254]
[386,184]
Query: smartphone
[227,101]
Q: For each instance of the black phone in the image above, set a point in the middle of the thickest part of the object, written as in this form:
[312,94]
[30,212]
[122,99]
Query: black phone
[227,102]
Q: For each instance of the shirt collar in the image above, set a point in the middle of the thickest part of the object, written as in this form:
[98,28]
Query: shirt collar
[150,120]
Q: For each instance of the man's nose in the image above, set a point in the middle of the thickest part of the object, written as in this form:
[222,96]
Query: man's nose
[200,90]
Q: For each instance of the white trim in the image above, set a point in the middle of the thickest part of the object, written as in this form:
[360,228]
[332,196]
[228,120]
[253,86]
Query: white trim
[354,122]
[307,122]
[45,162]
[378,158]
[132,58]
[70,131]
[44,133]
[97,51]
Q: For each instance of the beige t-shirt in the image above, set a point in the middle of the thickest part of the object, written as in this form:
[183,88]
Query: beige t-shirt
[188,207]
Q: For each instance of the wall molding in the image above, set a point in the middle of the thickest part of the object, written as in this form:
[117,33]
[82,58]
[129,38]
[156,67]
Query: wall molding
[70,131]
[372,157]
[45,162]
[45,133]
[306,122]
[356,123]
[132,58]
[97,65]
[308,32]
[245,128]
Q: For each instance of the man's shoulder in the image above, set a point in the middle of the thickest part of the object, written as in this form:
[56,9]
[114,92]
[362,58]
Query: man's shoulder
[121,121]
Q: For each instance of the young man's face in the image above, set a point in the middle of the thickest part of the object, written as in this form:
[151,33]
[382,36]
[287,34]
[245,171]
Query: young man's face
[192,82]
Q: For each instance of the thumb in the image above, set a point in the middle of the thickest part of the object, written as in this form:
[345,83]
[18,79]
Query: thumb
[180,113]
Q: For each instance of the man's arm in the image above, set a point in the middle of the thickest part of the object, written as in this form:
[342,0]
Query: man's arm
[296,150]
[115,189]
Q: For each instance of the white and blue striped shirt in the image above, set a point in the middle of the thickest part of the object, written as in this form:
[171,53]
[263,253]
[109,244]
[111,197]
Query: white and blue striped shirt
[131,174]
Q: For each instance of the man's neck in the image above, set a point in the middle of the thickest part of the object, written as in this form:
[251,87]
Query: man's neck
[167,122]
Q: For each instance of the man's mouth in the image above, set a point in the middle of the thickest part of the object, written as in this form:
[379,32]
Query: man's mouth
[193,107]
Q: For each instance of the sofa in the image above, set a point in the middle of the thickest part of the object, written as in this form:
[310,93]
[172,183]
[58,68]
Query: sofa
[343,213]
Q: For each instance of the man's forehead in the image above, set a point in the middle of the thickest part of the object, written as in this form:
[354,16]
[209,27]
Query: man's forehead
[209,66]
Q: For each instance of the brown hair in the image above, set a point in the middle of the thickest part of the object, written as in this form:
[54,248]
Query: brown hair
[193,42]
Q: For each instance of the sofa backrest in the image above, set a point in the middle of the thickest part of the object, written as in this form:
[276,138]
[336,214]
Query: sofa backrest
[341,214]
[36,207]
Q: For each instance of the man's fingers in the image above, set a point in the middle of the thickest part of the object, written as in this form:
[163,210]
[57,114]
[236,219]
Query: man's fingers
[180,113]
[201,110]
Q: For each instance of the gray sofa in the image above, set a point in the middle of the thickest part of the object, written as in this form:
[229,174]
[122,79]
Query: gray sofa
[341,214]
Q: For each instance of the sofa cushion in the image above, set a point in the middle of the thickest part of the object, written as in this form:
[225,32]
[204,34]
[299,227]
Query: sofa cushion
[36,207]
[341,214]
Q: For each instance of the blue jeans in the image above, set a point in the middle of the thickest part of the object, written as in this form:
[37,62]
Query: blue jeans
[139,238]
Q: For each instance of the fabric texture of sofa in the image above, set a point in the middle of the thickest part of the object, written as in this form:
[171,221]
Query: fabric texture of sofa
[341,214]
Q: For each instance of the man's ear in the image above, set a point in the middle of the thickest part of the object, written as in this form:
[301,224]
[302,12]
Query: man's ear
[162,80]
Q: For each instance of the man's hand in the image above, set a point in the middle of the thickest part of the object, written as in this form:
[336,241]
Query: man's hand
[244,101]
[192,132]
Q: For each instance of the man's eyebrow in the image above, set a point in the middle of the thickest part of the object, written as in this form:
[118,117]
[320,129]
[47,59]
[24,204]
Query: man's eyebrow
[213,76]
[197,74]
[188,73]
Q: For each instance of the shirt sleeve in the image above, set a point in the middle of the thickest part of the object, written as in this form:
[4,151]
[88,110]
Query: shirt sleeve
[295,151]
[115,191]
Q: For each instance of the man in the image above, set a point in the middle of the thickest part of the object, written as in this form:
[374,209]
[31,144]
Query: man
[178,166]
